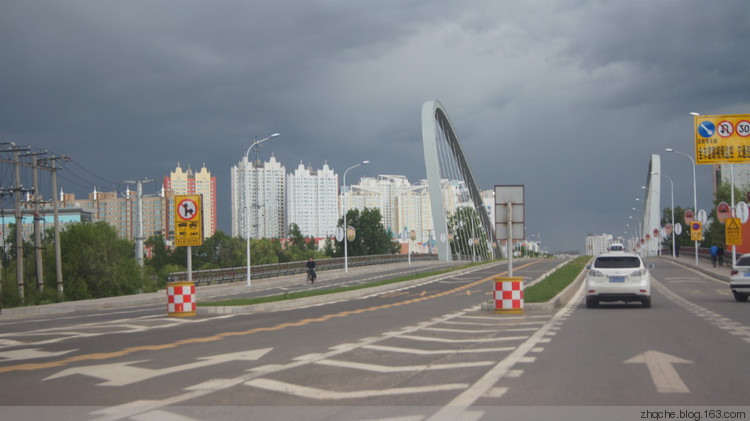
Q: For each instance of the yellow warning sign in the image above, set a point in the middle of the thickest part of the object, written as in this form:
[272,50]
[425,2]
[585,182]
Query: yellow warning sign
[733,229]
[188,220]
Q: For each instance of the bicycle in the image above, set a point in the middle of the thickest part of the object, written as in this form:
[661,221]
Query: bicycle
[310,276]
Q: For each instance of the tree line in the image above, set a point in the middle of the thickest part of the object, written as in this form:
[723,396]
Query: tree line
[97,263]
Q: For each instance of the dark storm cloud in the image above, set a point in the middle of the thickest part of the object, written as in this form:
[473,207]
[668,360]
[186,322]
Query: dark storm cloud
[568,97]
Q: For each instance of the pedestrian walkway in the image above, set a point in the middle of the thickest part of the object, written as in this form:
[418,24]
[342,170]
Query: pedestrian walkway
[704,264]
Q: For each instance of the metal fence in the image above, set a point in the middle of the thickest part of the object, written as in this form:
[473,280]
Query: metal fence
[239,274]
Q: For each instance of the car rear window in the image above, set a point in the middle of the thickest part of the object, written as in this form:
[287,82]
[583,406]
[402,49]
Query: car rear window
[616,262]
[743,261]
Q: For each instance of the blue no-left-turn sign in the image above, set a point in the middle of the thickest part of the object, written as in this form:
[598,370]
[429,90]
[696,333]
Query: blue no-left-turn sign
[706,129]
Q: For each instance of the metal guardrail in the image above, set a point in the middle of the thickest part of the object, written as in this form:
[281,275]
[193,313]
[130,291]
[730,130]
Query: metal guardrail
[239,274]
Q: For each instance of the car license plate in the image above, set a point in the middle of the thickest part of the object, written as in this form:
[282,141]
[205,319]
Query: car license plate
[617,279]
[747,274]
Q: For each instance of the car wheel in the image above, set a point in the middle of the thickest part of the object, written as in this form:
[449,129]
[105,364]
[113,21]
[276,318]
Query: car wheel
[740,297]
[592,302]
[646,302]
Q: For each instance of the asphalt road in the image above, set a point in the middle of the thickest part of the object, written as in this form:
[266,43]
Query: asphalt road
[425,352]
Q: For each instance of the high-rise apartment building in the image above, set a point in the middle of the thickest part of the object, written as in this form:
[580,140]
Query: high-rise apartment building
[597,244]
[259,199]
[413,212]
[380,193]
[121,212]
[312,200]
[202,182]
[405,206]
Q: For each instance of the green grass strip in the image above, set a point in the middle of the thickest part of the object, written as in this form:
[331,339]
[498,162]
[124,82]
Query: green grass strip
[549,287]
[316,292]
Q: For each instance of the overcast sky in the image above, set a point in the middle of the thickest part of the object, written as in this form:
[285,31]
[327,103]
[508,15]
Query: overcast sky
[568,97]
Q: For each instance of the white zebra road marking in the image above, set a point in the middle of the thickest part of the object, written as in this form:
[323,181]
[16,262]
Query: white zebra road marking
[122,374]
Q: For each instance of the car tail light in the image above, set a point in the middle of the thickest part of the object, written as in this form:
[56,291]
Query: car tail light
[639,272]
[733,272]
[596,273]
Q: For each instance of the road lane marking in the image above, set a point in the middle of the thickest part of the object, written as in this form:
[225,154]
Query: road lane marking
[122,374]
[724,323]
[436,351]
[322,394]
[378,368]
[665,377]
[460,405]
[31,354]
[223,335]
[461,341]
[444,329]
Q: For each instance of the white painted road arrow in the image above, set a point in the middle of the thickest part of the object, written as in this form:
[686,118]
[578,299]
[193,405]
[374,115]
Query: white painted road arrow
[665,377]
[121,374]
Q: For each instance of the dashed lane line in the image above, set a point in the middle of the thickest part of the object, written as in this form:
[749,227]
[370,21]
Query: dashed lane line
[728,325]
[321,394]
[378,368]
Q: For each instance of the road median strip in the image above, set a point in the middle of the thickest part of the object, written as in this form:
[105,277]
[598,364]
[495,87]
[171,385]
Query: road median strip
[302,298]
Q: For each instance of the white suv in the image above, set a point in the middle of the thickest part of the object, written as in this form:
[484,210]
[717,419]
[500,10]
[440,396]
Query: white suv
[739,281]
[618,276]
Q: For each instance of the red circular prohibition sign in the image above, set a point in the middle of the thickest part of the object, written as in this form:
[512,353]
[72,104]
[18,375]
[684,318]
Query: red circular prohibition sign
[187,209]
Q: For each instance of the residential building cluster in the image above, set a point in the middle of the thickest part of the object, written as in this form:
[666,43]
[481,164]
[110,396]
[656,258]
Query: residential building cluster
[265,200]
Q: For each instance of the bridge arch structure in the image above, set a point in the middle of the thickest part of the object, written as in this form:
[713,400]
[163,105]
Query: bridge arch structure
[449,177]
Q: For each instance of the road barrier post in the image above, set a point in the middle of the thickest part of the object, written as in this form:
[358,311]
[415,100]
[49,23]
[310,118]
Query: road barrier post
[508,295]
[181,299]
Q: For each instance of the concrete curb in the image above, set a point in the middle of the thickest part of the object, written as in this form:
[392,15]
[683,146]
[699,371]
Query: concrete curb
[705,271]
[560,299]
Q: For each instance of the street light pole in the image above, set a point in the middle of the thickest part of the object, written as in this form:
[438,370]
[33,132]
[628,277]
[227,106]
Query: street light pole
[695,197]
[346,229]
[255,145]
[671,185]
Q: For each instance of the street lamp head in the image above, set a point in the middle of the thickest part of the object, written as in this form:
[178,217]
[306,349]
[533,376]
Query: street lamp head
[669,150]
[694,114]
[275,135]
[365,162]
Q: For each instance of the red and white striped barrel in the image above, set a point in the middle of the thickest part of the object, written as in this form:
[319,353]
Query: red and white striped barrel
[508,295]
[181,299]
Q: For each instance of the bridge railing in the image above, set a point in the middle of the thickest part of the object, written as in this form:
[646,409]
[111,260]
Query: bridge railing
[239,274]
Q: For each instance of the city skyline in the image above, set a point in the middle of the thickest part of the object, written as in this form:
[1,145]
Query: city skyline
[570,99]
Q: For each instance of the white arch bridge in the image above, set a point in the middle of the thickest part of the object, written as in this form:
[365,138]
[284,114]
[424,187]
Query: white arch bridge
[460,218]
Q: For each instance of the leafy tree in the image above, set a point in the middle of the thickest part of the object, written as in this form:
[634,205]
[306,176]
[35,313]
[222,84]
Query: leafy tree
[328,250]
[682,240]
[160,253]
[98,264]
[298,247]
[265,251]
[220,250]
[371,235]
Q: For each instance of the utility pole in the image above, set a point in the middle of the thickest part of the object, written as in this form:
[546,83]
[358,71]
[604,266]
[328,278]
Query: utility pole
[139,233]
[37,226]
[58,252]
[18,190]
[19,229]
